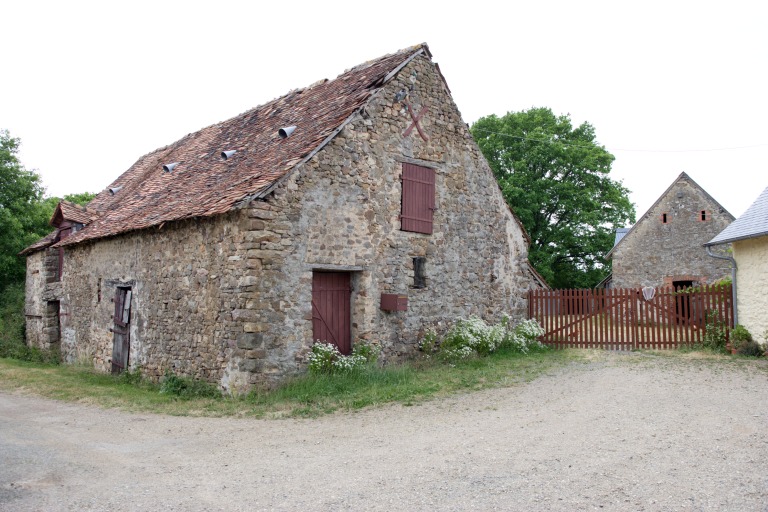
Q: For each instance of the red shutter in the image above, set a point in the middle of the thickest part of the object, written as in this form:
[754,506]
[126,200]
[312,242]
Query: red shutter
[418,199]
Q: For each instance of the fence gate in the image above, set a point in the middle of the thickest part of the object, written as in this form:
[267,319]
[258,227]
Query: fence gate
[630,318]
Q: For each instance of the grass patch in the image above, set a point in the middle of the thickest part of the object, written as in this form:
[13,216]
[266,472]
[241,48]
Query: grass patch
[306,396]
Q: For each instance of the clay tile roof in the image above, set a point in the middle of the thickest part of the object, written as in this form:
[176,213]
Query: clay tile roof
[65,210]
[41,244]
[203,184]
[74,212]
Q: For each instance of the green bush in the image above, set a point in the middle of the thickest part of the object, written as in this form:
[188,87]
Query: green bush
[12,334]
[740,336]
[750,348]
[475,337]
[714,331]
[187,388]
[325,358]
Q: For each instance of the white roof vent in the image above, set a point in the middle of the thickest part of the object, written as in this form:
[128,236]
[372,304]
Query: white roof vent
[114,190]
[286,131]
[226,155]
[169,167]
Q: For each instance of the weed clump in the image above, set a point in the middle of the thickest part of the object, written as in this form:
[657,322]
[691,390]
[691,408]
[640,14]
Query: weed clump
[187,388]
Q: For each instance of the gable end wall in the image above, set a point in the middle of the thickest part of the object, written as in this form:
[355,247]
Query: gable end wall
[655,254]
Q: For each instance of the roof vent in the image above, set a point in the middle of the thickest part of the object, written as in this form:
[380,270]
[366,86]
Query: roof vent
[114,190]
[286,132]
[226,155]
[169,167]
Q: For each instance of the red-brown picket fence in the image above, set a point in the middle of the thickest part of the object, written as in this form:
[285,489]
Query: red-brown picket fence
[630,318]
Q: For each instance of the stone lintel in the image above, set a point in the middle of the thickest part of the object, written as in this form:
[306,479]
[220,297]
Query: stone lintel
[340,268]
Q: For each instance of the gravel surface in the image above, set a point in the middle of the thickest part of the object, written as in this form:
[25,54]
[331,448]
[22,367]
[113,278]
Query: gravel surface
[620,432]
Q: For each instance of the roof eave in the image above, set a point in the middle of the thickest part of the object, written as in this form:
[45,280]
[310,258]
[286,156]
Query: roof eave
[735,239]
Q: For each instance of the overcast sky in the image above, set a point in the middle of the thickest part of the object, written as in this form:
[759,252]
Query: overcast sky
[669,86]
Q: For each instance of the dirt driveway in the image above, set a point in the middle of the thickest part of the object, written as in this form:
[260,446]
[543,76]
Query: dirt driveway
[622,432]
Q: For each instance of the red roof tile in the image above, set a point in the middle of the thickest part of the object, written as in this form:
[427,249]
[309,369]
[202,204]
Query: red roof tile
[203,184]
[74,213]
[41,244]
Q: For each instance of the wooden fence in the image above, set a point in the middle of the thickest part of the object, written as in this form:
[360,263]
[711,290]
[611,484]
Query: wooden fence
[630,318]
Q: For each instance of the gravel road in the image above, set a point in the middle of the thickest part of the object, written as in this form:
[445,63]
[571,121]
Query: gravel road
[620,432]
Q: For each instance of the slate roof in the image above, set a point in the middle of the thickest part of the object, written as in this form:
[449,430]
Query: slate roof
[752,224]
[203,184]
[620,232]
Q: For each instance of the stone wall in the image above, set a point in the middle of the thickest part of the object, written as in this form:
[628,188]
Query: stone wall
[656,254]
[187,288]
[752,282]
[42,300]
[341,210]
[228,299]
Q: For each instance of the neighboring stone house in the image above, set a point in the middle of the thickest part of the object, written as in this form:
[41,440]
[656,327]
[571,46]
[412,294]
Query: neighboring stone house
[356,208]
[665,247]
[748,236]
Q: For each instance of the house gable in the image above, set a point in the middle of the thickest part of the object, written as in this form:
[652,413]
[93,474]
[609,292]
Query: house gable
[665,245]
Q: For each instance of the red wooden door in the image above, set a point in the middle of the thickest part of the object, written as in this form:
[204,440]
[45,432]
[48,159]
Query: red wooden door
[331,315]
[121,341]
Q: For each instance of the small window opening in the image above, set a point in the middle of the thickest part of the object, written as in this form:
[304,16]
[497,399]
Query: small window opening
[420,272]
[703,215]
[664,218]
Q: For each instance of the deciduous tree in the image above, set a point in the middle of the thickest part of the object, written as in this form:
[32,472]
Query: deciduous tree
[556,179]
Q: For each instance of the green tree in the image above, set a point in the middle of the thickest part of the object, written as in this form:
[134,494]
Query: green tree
[24,211]
[81,198]
[556,179]
[22,216]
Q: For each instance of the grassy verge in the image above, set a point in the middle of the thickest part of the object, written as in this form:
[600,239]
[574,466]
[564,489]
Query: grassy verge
[309,395]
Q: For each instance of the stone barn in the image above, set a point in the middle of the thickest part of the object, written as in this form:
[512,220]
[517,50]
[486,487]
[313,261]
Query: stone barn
[665,247]
[355,208]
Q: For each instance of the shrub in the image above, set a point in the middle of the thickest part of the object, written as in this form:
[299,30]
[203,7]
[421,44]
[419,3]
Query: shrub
[474,336]
[750,348]
[367,351]
[186,387]
[131,377]
[715,331]
[325,358]
[429,343]
[524,336]
[740,336]
[12,335]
